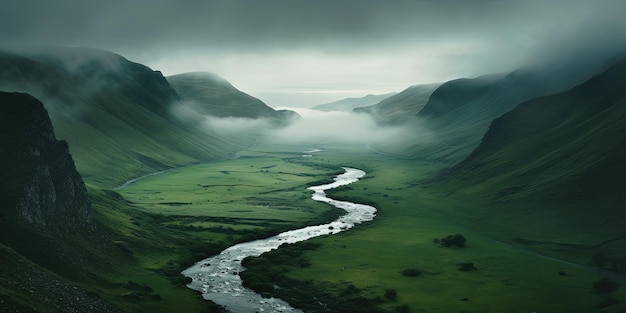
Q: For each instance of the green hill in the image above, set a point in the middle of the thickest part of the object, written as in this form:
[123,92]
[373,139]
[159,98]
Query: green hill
[401,107]
[209,94]
[349,104]
[554,164]
[457,114]
[115,114]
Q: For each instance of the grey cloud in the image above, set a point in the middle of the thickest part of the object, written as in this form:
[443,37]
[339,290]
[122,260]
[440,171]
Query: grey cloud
[422,41]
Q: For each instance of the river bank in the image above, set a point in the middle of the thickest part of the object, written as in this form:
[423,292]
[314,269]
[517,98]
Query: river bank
[217,278]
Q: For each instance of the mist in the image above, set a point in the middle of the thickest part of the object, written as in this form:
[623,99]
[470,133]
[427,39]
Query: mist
[301,53]
[317,126]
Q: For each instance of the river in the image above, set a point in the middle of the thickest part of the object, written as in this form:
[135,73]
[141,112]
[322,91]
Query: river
[217,277]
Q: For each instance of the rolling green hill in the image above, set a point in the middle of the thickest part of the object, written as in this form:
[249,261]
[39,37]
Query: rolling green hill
[457,114]
[209,94]
[555,165]
[115,114]
[349,104]
[401,107]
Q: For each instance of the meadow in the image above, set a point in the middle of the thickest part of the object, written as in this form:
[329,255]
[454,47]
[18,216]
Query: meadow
[392,264]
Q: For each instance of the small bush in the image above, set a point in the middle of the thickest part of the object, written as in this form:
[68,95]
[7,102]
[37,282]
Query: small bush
[391,294]
[411,272]
[457,240]
[467,267]
[605,285]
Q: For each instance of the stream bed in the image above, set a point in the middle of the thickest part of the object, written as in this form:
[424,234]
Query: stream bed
[217,277]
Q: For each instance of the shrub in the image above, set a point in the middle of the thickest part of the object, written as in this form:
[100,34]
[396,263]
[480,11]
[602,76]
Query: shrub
[605,285]
[600,260]
[453,241]
[467,267]
[411,272]
[391,294]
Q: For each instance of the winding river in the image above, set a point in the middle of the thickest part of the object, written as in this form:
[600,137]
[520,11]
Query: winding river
[217,277]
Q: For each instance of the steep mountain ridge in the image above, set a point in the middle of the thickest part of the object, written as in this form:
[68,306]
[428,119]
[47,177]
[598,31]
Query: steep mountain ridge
[40,184]
[115,114]
[562,154]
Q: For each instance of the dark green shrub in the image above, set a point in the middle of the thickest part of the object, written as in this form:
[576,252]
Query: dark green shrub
[411,272]
[600,260]
[391,294]
[457,240]
[605,285]
[467,267]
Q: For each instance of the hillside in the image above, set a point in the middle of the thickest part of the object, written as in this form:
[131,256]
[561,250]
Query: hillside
[210,95]
[402,107]
[115,114]
[458,112]
[39,182]
[41,194]
[557,159]
[349,104]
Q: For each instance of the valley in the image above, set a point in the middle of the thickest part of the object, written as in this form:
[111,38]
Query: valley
[496,193]
[215,202]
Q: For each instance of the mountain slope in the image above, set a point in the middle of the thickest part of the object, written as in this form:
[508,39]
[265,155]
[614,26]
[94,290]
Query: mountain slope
[41,194]
[458,113]
[208,94]
[40,184]
[558,159]
[115,114]
[402,107]
[349,104]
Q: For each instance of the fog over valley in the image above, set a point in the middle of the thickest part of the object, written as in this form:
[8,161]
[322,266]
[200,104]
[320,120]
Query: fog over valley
[299,156]
[302,53]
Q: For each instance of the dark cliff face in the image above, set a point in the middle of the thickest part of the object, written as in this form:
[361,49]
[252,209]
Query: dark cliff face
[40,184]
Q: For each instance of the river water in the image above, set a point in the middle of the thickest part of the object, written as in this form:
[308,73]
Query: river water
[217,277]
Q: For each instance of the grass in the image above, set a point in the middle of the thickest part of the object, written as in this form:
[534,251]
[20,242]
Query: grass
[152,229]
[255,191]
[371,257]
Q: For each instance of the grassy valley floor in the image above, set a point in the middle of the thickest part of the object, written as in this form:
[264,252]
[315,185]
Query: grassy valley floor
[392,264]
[148,232]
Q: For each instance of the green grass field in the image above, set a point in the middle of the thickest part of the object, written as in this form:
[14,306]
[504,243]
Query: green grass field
[259,190]
[510,276]
[165,222]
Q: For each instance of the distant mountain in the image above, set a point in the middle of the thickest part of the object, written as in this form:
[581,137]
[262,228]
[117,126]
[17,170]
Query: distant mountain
[402,107]
[559,155]
[348,104]
[115,114]
[208,94]
[40,184]
[458,113]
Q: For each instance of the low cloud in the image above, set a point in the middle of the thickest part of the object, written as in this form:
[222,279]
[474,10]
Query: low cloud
[317,126]
[220,125]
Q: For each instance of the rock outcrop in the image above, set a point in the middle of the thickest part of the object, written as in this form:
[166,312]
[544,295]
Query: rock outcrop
[40,184]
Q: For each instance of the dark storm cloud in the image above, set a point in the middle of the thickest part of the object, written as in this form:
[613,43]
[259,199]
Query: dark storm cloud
[319,43]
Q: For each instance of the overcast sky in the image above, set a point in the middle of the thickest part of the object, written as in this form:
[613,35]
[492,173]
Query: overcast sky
[301,53]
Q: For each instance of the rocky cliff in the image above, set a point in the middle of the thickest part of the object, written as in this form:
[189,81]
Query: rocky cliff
[39,182]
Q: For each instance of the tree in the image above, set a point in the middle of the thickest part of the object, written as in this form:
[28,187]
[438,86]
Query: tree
[600,260]
[453,241]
